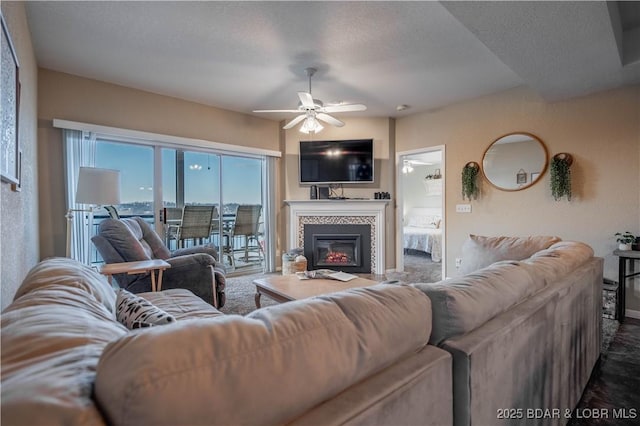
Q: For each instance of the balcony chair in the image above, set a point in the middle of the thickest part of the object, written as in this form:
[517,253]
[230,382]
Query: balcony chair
[196,224]
[194,268]
[247,225]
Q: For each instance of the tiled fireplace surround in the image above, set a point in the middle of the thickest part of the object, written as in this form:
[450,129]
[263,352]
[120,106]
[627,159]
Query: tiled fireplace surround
[341,212]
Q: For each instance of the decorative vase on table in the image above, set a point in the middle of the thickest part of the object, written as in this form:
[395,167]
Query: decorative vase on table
[623,246]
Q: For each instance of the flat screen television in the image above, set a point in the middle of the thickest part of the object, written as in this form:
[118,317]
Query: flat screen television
[341,161]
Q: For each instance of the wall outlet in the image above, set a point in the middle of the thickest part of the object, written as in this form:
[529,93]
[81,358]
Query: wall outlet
[458,262]
[463,208]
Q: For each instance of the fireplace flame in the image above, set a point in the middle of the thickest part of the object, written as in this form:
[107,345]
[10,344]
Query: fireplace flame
[337,257]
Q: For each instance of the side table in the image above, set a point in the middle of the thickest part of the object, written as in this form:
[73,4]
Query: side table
[141,267]
[624,256]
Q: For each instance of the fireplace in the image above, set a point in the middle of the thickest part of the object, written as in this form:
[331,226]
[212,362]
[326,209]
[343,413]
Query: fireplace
[303,213]
[341,247]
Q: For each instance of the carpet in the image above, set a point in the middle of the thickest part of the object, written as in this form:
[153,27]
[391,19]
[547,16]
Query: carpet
[418,268]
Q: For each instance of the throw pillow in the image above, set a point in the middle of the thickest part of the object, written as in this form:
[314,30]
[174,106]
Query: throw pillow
[136,312]
[479,252]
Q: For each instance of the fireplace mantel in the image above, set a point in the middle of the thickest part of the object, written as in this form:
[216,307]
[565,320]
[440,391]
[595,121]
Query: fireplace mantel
[370,212]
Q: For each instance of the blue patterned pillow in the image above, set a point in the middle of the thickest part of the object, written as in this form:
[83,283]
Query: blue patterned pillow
[135,312]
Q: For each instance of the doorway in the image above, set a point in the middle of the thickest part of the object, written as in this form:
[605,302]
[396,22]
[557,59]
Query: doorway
[420,243]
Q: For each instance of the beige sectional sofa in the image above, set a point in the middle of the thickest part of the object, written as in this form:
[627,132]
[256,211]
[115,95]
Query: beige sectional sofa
[358,357]
[524,334]
[484,348]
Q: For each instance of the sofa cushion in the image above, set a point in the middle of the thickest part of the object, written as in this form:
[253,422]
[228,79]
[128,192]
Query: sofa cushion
[278,362]
[479,251]
[52,337]
[182,304]
[64,272]
[560,259]
[136,312]
[462,304]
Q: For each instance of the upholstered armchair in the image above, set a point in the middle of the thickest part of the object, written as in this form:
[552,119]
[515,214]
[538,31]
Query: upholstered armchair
[194,268]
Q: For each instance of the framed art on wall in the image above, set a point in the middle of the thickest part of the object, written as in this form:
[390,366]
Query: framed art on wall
[9,107]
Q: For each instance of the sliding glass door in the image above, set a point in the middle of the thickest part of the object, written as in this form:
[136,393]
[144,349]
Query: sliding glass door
[159,173]
[243,243]
[226,182]
[190,178]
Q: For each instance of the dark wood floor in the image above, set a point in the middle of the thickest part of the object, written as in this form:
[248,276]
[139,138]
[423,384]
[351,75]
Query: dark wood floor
[613,394]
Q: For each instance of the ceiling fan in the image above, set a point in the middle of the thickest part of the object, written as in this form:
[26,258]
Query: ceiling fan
[311,110]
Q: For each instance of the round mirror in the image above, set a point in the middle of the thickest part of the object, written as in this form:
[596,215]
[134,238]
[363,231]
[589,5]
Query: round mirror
[515,161]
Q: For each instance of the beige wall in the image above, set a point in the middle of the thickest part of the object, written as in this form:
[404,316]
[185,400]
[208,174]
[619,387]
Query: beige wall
[601,131]
[73,98]
[19,243]
[382,131]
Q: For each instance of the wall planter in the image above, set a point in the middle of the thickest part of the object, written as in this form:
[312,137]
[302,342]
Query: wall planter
[561,176]
[470,189]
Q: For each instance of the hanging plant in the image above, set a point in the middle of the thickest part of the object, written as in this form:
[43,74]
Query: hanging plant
[469,180]
[561,176]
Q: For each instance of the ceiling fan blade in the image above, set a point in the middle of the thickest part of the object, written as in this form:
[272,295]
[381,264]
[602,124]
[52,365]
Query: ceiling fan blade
[276,110]
[344,108]
[306,100]
[329,119]
[295,121]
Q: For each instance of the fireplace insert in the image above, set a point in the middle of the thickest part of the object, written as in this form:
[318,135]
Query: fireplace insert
[341,247]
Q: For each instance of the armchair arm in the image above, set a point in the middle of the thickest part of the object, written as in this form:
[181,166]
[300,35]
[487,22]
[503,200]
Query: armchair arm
[207,248]
[199,274]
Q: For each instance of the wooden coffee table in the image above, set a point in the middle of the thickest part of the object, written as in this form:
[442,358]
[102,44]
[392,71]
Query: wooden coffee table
[284,288]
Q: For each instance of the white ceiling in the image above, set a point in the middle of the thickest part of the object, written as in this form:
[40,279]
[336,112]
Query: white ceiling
[243,56]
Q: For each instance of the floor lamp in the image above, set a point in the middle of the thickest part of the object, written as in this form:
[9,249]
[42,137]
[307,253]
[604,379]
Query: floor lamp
[95,187]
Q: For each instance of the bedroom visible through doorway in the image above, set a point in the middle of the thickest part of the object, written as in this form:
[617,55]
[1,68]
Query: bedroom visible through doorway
[421,216]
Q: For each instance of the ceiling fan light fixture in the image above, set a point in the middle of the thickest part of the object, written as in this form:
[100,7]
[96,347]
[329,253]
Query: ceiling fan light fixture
[407,168]
[311,111]
[311,125]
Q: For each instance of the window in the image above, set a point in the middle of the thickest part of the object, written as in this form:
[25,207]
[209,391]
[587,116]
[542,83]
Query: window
[158,172]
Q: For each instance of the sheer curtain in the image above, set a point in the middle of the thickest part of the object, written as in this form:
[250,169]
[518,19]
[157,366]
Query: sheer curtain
[269,186]
[79,150]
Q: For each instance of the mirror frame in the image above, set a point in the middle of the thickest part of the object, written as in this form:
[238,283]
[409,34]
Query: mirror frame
[531,183]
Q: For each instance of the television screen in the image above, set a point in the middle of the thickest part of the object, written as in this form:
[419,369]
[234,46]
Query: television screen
[343,161]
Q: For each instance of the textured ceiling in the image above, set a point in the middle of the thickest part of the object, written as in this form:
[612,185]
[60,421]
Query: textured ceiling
[252,55]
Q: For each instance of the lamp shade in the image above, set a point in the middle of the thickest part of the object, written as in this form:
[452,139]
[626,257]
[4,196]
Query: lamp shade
[98,186]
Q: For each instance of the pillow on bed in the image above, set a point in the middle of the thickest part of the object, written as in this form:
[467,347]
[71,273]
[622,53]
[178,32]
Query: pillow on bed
[424,221]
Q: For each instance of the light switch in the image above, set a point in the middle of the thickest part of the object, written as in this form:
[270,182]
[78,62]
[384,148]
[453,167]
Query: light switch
[463,208]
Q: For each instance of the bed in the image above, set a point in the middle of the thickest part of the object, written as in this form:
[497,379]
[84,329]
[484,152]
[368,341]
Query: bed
[422,231]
